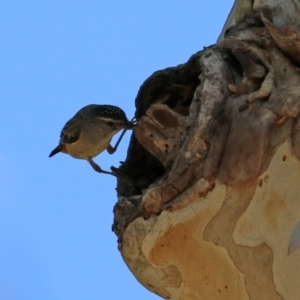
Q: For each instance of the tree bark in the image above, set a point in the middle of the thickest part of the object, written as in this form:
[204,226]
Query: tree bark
[208,197]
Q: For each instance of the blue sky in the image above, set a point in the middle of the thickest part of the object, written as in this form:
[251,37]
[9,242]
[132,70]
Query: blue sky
[56,57]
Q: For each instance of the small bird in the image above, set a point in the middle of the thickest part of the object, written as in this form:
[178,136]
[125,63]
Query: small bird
[90,132]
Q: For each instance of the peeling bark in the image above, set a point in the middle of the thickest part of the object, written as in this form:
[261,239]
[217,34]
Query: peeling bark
[212,169]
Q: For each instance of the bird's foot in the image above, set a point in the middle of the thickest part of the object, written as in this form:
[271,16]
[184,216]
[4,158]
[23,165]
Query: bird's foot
[97,167]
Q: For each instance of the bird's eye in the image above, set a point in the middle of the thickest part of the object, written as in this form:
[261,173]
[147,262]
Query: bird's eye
[73,138]
[110,123]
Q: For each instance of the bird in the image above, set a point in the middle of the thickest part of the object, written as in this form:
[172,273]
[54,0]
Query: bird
[90,131]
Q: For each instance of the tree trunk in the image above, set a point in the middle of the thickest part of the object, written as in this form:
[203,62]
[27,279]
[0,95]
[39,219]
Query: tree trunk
[208,197]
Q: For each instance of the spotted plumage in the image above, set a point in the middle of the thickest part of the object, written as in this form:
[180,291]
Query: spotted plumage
[90,131]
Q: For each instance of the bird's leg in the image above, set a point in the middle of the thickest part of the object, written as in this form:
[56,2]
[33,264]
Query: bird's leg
[97,167]
[110,149]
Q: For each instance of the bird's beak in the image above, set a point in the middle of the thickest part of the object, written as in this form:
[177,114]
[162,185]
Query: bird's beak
[56,150]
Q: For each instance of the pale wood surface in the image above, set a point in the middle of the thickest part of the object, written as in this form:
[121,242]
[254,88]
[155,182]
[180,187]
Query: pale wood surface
[214,211]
